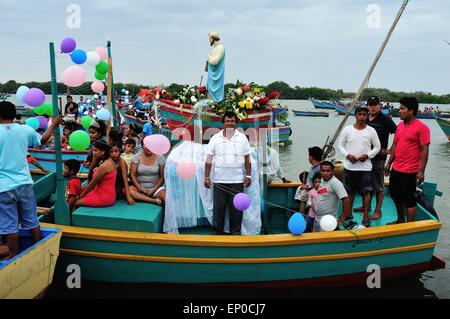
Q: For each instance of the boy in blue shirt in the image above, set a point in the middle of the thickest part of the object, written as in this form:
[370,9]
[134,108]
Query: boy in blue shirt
[17,201]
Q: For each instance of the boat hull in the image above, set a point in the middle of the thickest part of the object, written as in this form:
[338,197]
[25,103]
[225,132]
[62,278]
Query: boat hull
[47,157]
[322,105]
[445,126]
[311,114]
[343,110]
[30,273]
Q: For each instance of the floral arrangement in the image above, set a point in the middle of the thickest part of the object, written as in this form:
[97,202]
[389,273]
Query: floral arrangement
[190,95]
[156,93]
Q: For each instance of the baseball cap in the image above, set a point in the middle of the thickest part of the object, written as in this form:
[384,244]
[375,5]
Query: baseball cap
[373,100]
[361,108]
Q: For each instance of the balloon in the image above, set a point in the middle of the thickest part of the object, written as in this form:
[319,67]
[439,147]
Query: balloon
[79,56]
[102,52]
[34,97]
[42,122]
[74,76]
[102,67]
[185,169]
[157,144]
[68,45]
[127,92]
[297,224]
[93,58]
[20,92]
[100,76]
[241,201]
[103,115]
[97,86]
[40,110]
[123,90]
[96,96]
[48,109]
[33,122]
[328,223]
[100,93]
[86,122]
[79,140]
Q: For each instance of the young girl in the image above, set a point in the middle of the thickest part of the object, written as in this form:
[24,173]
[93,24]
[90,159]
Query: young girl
[97,131]
[122,187]
[101,190]
[312,200]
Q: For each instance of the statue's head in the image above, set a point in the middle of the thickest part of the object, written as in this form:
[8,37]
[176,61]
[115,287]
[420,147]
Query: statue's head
[213,37]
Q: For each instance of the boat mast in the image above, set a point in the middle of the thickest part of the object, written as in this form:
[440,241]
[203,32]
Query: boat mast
[62,212]
[111,99]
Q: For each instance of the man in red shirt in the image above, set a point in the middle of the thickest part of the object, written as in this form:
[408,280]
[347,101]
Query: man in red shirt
[409,157]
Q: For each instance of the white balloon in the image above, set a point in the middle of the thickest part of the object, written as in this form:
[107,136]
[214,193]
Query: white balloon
[127,92]
[93,58]
[96,96]
[328,223]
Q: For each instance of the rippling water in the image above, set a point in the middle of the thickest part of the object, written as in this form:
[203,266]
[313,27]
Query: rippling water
[310,132]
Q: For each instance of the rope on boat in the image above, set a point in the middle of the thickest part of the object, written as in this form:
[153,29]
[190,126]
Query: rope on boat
[328,148]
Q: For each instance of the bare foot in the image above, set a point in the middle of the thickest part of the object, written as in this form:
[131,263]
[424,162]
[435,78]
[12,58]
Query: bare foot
[366,223]
[376,215]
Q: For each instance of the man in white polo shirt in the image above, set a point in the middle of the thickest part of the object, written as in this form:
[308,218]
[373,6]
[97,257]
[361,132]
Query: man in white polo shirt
[228,155]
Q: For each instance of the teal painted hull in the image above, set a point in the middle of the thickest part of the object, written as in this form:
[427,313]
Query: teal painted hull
[47,157]
[445,126]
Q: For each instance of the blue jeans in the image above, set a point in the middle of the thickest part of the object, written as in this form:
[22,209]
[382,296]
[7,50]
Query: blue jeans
[18,206]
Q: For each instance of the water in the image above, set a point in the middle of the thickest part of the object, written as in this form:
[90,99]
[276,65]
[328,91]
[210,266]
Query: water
[309,132]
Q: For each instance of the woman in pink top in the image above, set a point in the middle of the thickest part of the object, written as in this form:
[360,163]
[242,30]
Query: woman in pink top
[101,190]
[312,200]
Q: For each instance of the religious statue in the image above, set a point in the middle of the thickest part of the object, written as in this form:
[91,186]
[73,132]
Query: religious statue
[215,66]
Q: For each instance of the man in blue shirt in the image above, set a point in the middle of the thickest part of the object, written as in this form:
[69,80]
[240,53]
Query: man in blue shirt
[147,130]
[17,201]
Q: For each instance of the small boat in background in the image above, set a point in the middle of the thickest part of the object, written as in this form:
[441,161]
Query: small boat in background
[311,113]
[29,274]
[318,104]
[444,125]
[25,111]
[424,115]
[342,109]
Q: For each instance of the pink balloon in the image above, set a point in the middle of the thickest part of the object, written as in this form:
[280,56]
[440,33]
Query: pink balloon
[157,144]
[97,86]
[102,52]
[74,76]
[185,169]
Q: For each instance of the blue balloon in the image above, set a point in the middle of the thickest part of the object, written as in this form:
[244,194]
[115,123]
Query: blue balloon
[297,224]
[21,92]
[123,90]
[33,122]
[103,115]
[79,56]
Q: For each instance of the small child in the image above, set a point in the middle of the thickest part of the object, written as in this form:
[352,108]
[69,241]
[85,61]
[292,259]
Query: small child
[302,192]
[73,188]
[312,200]
[122,186]
[127,156]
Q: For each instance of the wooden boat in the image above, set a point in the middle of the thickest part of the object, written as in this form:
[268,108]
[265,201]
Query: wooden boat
[125,244]
[444,124]
[420,115]
[24,111]
[47,157]
[342,109]
[311,113]
[28,274]
[318,104]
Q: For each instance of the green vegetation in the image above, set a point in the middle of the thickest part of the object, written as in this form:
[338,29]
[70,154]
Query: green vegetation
[287,92]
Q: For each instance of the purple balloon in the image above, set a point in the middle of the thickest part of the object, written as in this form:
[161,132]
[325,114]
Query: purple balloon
[34,97]
[68,45]
[42,122]
[241,201]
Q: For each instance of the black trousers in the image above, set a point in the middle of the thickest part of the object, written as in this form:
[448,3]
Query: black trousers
[223,195]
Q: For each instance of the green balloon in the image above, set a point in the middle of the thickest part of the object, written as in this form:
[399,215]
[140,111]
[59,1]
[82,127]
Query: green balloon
[40,110]
[86,122]
[100,76]
[47,108]
[102,67]
[79,140]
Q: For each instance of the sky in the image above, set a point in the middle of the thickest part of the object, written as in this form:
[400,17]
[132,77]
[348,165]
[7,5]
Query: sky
[320,43]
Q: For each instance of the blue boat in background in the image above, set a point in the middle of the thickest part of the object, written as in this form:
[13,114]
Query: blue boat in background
[311,113]
[318,104]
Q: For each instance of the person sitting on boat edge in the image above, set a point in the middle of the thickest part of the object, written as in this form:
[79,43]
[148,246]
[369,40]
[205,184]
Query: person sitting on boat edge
[355,144]
[409,158]
[129,152]
[17,201]
[273,165]
[312,202]
[315,154]
[31,160]
[101,189]
[147,176]
[331,190]
[383,125]
[70,110]
[97,131]
[73,187]
[122,186]
[228,153]
[302,192]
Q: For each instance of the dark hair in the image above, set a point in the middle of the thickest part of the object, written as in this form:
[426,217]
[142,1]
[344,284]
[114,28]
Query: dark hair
[69,97]
[103,147]
[327,163]
[73,165]
[411,103]
[130,141]
[315,152]
[115,136]
[7,110]
[101,129]
[303,176]
[18,116]
[68,127]
[229,114]
[317,176]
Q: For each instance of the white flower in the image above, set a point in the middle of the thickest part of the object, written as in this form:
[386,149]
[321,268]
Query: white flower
[193,99]
[192,90]
[177,101]
[157,96]
[238,91]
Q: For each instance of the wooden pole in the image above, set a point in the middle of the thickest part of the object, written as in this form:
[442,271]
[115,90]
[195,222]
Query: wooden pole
[111,99]
[62,212]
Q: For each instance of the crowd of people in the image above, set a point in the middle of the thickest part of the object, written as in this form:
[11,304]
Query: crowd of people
[120,166]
